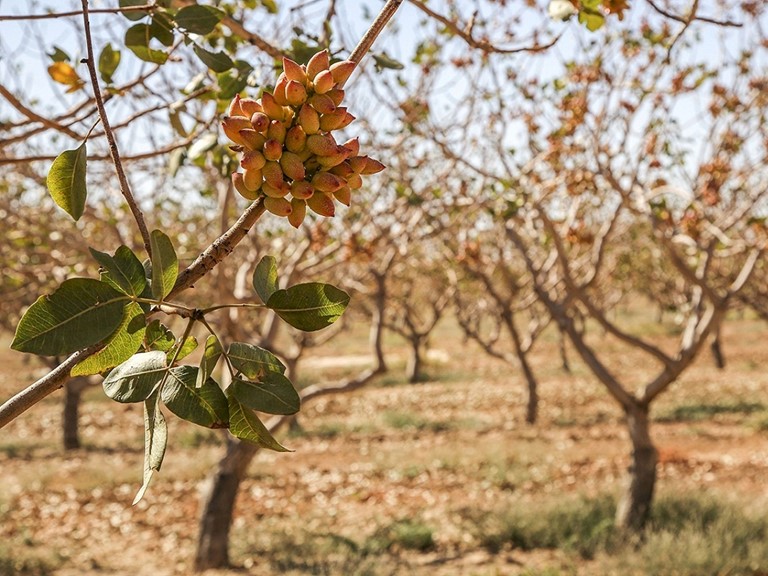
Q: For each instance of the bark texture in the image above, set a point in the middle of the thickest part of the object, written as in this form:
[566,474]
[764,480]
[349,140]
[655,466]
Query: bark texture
[218,505]
[635,504]
[70,421]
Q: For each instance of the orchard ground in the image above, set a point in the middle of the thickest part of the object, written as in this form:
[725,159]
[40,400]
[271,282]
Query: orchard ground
[442,477]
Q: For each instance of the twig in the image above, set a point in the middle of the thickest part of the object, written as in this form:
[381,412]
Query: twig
[219,248]
[484,45]
[142,156]
[16,103]
[215,253]
[125,188]
[145,8]
[373,32]
[238,29]
[686,21]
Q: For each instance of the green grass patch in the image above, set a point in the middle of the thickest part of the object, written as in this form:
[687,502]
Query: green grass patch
[690,535]
[293,551]
[698,412]
[699,535]
[408,420]
[312,553]
[24,559]
[406,534]
[584,526]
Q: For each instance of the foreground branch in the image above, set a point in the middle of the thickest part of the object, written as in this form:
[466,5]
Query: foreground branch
[215,253]
[45,386]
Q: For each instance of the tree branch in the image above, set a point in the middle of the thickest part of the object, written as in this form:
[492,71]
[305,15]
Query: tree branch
[125,187]
[145,8]
[16,103]
[686,21]
[46,385]
[483,45]
[219,248]
[373,32]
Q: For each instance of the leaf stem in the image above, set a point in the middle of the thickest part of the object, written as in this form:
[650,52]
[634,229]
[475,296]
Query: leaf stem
[180,344]
[210,329]
[125,187]
[235,305]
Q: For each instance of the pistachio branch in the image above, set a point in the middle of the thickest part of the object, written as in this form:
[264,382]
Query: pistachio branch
[203,264]
[125,187]
[375,29]
[34,393]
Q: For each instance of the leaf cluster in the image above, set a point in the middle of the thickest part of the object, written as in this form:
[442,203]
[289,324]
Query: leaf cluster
[140,357]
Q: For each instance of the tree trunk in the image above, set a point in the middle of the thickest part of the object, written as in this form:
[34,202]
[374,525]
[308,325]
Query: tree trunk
[71,412]
[566,366]
[532,407]
[635,504]
[415,362]
[377,322]
[218,506]
[717,351]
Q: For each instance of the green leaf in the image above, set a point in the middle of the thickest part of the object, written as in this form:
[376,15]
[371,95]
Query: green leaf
[253,361]
[265,278]
[161,27]
[58,55]
[155,442]
[174,115]
[189,346]
[66,181]
[109,60]
[216,61]
[133,14]
[244,424]
[137,39]
[81,312]
[122,271]
[592,19]
[135,379]
[270,5]
[198,19]
[273,394]
[209,360]
[175,160]
[233,81]
[165,265]
[159,337]
[121,345]
[206,406]
[383,61]
[310,306]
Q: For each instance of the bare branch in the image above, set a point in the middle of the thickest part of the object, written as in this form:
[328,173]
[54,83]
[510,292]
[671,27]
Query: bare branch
[219,248]
[684,20]
[145,8]
[483,45]
[125,187]
[16,103]
[43,387]
[373,32]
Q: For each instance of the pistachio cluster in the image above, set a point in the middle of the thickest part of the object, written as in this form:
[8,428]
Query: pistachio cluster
[288,150]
